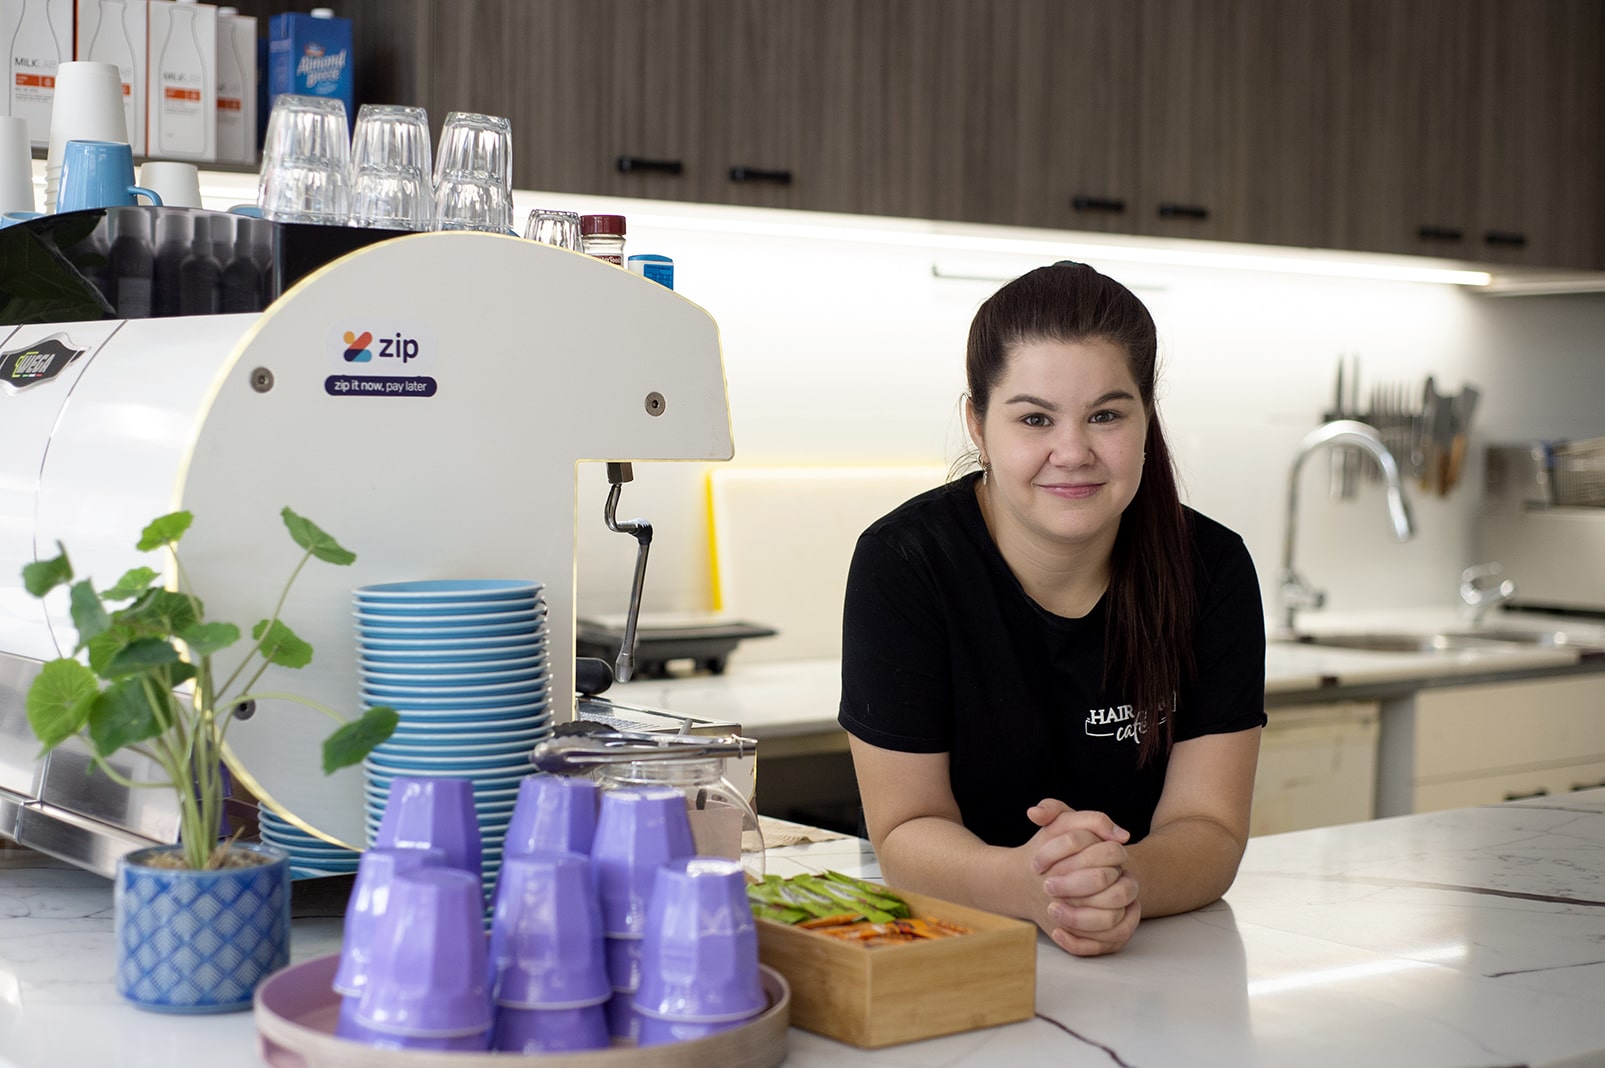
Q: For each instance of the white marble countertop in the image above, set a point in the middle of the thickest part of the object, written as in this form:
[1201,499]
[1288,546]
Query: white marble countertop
[1466,939]
[781,699]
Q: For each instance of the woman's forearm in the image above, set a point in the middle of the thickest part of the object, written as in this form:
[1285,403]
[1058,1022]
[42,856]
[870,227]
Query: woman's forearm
[1184,865]
[936,856]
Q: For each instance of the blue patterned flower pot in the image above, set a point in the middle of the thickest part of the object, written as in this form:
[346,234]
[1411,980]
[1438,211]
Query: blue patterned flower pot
[200,941]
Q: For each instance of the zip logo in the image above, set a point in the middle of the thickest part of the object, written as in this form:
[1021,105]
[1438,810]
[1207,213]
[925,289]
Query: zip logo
[383,348]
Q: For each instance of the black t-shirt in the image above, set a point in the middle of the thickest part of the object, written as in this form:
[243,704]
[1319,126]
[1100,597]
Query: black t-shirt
[943,652]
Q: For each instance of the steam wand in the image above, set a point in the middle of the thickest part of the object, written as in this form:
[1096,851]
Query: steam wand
[617,475]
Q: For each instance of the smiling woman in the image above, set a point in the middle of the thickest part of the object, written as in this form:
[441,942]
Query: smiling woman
[1052,671]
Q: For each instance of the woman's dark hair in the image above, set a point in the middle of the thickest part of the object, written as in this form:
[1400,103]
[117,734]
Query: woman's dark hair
[1151,600]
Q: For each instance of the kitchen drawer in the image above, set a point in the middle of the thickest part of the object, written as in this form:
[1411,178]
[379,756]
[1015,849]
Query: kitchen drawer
[1513,726]
[1492,789]
[1317,767]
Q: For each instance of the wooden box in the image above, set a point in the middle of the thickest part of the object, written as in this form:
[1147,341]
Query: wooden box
[873,996]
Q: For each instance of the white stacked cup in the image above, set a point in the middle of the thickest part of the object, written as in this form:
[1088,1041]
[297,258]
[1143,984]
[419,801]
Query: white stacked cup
[16,166]
[88,106]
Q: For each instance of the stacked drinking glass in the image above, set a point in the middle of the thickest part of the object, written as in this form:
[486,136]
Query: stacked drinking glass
[464,663]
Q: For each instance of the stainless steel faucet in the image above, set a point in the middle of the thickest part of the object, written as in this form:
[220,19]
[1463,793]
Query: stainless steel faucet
[1293,592]
[1481,588]
[617,475]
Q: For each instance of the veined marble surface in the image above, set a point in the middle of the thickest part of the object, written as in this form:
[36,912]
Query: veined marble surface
[1466,939]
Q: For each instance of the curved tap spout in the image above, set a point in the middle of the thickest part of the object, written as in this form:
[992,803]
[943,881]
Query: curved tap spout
[1294,592]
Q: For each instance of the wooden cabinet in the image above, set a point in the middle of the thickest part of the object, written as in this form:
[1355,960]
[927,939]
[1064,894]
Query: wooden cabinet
[1472,745]
[1317,767]
[1457,128]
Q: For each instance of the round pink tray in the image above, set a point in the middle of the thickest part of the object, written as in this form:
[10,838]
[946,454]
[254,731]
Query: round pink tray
[296,1011]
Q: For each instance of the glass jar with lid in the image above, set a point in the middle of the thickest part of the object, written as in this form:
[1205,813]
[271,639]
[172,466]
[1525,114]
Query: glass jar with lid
[723,823]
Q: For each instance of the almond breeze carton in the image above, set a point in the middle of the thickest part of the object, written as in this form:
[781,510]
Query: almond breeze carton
[310,55]
[116,32]
[236,87]
[38,34]
[181,118]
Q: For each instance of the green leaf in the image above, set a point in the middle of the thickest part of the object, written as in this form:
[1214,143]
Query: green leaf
[141,656]
[164,530]
[122,715]
[88,614]
[280,645]
[352,742]
[42,576]
[312,538]
[105,646]
[59,701]
[160,612]
[133,583]
[204,639]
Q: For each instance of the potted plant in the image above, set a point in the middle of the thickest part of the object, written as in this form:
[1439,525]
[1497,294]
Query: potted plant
[199,924]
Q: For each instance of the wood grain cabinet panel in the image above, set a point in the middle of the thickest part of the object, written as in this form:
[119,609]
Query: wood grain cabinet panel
[1235,120]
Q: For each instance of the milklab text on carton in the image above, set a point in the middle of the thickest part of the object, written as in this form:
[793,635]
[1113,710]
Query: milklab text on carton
[181,120]
[38,36]
[310,55]
[236,87]
[115,32]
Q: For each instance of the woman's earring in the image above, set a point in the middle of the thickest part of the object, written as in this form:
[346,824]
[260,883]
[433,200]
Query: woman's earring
[986,469]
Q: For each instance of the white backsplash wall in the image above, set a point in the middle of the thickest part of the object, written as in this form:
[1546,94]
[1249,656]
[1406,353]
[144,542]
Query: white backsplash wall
[841,352]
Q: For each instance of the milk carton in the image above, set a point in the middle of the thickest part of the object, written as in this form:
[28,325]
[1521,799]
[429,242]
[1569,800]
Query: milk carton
[38,37]
[116,32]
[236,87]
[181,119]
[310,55]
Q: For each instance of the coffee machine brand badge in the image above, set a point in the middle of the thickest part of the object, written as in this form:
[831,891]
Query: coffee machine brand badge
[36,363]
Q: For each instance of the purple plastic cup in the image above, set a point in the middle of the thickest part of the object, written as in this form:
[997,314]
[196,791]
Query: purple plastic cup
[437,813]
[551,1030]
[637,831]
[369,896]
[546,935]
[699,959]
[554,813]
[353,1029]
[623,963]
[659,1032]
[428,975]
[622,1019]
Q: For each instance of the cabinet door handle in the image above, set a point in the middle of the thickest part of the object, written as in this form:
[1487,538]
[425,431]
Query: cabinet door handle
[1540,792]
[1183,211]
[758,174]
[1440,233]
[1505,239]
[1082,202]
[631,164]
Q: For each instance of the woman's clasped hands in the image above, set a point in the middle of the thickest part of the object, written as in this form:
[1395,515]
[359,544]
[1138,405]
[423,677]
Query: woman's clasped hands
[1090,901]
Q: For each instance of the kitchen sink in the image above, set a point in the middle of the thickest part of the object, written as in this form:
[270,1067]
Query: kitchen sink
[1438,642]
[1382,642]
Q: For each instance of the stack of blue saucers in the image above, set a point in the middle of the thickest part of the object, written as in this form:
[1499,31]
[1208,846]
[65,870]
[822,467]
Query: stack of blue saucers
[463,661]
[310,858]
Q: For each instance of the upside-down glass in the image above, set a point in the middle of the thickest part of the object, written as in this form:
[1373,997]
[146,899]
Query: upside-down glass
[474,173]
[392,174]
[560,228]
[306,162]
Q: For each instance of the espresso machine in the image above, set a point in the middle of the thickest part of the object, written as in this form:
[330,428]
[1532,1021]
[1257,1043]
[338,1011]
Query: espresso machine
[426,400]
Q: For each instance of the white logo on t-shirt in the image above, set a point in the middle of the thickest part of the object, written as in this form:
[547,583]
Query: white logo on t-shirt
[1120,723]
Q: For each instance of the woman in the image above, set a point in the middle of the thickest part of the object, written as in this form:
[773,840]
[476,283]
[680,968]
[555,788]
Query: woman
[1053,673]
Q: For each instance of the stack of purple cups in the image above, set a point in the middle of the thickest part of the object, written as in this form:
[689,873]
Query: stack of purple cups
[427,983]
[699,959]
[427,813]
[637,832]
[370,897]
[546,949]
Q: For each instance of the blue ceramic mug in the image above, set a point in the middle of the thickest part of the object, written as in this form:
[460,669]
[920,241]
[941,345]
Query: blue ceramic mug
[99,174]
